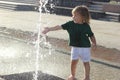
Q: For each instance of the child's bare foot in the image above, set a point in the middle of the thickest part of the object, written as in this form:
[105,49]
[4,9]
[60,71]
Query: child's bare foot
[71,77]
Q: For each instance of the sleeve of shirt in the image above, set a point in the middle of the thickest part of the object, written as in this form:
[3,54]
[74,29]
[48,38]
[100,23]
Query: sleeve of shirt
[90,33]
[66,25]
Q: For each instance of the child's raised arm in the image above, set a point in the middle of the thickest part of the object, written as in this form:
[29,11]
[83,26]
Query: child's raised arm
[47,29]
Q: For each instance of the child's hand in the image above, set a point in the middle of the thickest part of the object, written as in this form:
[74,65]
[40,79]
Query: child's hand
[46,30]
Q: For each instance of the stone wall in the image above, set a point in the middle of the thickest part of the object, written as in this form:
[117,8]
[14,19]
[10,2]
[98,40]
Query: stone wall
[111,8]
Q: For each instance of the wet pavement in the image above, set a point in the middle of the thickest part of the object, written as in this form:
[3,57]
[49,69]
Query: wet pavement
[18,58]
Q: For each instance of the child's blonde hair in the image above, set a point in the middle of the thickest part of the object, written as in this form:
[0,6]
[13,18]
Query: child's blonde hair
[83,11]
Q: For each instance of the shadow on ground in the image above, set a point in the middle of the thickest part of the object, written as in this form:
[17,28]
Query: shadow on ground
[25,8]
[29,76]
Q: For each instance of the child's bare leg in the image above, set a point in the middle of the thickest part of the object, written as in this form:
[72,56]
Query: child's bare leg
[73,69]
[87,70]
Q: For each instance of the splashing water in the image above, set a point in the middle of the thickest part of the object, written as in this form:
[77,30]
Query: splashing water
[41,39]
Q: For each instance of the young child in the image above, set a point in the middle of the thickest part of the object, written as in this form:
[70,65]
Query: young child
[79,33]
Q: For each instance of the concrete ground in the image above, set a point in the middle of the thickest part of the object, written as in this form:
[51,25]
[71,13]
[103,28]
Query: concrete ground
[106,32]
